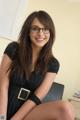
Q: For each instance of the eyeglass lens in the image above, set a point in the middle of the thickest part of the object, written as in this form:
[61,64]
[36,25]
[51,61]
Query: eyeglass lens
[37,29]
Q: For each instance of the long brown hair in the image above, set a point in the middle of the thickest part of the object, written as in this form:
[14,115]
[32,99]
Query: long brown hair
[23,63]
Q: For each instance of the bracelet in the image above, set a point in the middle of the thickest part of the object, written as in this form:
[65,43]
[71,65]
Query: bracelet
[35,99]
[2,117]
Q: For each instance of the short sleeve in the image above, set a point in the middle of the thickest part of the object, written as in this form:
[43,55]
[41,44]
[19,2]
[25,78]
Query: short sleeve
[53,65]
[11,49]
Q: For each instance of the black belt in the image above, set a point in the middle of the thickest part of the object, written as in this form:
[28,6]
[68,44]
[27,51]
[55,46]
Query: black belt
[21,93]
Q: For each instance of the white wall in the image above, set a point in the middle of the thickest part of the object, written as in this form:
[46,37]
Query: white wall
[66,16]
[11,12]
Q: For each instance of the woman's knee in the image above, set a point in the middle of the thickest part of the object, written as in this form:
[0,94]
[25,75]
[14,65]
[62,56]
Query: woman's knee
[67,108]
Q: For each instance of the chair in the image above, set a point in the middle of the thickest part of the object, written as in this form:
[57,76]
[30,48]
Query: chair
[55,93]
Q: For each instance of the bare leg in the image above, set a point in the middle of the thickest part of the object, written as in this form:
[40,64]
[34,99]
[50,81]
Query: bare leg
[52,111]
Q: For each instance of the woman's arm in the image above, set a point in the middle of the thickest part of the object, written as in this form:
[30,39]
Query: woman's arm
[44,88]
[40,93]
[4,83]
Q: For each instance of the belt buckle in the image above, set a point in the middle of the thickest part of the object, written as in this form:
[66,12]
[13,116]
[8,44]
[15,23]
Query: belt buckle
[23,94]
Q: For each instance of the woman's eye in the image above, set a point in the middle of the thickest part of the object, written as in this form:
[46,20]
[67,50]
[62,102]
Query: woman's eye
[46,29]
[35,29]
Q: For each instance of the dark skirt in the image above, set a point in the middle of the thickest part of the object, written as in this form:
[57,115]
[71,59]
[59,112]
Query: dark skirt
[13,102]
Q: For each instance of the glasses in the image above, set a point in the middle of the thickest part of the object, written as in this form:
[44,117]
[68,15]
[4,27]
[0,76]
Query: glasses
[36,29]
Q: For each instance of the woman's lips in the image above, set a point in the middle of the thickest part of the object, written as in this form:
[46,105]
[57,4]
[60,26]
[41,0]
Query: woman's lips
[39,39]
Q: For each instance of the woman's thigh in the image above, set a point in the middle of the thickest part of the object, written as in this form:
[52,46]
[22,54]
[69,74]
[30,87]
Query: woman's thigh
[46,111]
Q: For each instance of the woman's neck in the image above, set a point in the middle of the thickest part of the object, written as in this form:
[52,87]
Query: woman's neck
[35,50]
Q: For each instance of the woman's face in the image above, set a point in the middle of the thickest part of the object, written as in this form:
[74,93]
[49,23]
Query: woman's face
[39,34]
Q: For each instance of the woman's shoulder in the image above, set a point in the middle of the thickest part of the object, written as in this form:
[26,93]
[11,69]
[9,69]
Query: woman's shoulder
[11,49]
[54,60]
[12,44]
[53,65]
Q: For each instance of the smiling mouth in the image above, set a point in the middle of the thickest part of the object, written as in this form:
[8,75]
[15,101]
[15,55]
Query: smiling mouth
[40,39]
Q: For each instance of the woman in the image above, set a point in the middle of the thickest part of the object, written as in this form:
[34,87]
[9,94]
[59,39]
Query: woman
[27,72]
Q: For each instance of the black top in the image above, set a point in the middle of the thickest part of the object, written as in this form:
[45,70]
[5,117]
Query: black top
[16,82]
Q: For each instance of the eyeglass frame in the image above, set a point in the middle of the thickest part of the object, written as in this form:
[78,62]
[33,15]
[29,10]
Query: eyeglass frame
[36,29]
